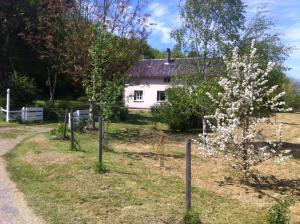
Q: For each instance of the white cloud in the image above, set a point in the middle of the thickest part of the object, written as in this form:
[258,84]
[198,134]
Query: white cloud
[162,21]
[162,30]
[158,9]
[293,33]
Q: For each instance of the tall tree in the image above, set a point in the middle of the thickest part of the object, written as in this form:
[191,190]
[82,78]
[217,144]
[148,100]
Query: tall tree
[46,34]
[10,25]
[269,48]
[207,27]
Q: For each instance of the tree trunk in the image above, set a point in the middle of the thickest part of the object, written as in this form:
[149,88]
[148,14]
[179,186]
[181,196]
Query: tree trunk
[4,60]
[52,85]
[245,158]
[93,114]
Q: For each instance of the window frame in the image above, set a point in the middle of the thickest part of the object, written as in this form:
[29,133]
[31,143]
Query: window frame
[167,79]
[138,95]
[158,95]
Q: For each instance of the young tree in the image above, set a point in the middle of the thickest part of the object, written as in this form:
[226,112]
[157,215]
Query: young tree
[244,102]
[117,42]
[102,90]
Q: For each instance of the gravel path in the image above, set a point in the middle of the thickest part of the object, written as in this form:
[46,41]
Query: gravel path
[13,207]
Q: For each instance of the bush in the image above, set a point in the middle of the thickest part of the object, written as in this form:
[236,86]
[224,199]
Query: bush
[51,114]
[57,133]
[119,113]
[83,98]
[279,212]
[2,101]
[186,105]
[178,119]
[191,217]
[124,113]
[101,167]
[23,89]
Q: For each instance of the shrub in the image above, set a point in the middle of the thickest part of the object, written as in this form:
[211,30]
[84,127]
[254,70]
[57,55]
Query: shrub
[57,133]
[101,167]
[124,113]
[119,113]
[2,116]
[177,118]
[186,104]
[2,101]
[191,217]
[23,89]
[279,212]
[83,98]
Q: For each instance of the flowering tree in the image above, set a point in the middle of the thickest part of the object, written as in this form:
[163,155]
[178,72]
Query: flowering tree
[245,101]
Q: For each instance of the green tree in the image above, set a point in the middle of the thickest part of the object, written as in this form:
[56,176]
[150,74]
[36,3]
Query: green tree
[186,100]
[207,27]
[116,43]
[269,48]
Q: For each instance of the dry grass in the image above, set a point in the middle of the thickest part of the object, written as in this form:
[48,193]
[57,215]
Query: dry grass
[277,178]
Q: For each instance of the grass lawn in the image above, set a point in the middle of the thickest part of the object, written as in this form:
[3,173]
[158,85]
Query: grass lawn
[64,187]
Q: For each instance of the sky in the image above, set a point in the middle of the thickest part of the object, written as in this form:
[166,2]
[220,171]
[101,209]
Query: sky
[285,15]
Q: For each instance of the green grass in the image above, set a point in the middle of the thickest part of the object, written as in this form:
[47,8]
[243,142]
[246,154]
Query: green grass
[4,124]
[65,187]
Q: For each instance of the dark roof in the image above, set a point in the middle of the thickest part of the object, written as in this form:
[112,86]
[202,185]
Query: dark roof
[160,68]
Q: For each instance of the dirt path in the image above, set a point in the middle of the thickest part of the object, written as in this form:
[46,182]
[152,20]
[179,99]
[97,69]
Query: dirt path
[13,207]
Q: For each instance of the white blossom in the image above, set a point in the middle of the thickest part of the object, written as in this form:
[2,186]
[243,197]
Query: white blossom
[245,93]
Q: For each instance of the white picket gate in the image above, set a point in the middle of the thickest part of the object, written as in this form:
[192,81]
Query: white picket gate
[30,114]
[27,114]
[13,114]
[79,116]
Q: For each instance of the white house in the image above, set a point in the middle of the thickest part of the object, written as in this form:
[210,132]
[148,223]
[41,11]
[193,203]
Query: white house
[151,77]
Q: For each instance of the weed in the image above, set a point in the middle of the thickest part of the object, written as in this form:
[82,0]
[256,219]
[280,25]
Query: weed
[57,132]
[279,213]
[191,217]
[101,167]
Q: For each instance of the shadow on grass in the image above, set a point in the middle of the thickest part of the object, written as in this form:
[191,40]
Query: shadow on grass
[135,135]
[152,155]
[139,119]
[289,123]
[281,186]
[294,147]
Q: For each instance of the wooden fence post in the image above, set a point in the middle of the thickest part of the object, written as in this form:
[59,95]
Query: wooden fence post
[188,176]
[100,147]
[72,129]
[65,124]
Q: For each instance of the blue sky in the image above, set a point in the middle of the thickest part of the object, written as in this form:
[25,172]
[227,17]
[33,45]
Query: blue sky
[285,15]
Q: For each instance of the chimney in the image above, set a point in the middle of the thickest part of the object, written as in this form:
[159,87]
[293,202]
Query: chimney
[168,55]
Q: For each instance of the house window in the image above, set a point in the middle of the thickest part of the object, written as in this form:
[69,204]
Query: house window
[168,79]
[161,96]
[138,95]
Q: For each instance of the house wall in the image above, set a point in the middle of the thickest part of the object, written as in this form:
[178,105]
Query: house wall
[149,88]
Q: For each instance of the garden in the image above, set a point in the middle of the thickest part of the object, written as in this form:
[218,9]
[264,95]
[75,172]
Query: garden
[65,186]
[220,144]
